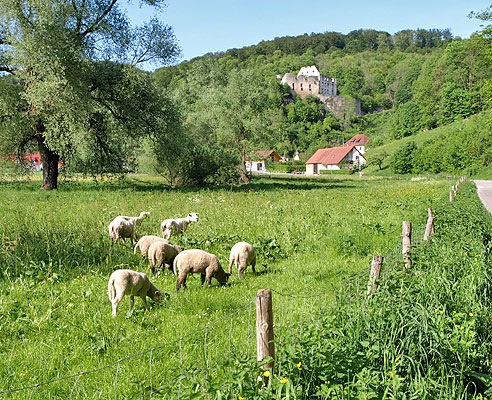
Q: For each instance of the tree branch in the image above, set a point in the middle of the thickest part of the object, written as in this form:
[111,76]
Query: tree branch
[99,19]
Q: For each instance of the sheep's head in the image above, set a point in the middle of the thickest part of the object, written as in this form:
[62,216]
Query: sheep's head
[193,217]
[157,295]
[144,214]
[226,278]
[179,249]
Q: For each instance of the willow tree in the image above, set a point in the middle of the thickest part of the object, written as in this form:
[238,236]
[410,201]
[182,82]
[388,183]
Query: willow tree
[70,83]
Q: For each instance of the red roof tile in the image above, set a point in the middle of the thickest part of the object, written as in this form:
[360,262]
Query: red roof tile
[331,156]
[358,140]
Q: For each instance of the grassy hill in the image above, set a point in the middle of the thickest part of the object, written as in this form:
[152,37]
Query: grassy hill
[460,147]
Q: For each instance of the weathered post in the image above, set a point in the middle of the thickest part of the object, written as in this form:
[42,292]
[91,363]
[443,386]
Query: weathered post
[377,262]
[406,242]
[264,327]
[451,196]
[429,228]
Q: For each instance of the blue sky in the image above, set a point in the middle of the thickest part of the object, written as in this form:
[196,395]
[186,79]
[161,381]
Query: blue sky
[217,25]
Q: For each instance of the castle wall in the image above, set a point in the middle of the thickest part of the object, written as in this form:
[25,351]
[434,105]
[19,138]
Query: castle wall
[310,82]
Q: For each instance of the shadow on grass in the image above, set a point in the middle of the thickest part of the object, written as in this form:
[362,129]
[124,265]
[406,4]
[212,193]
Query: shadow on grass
[148,184]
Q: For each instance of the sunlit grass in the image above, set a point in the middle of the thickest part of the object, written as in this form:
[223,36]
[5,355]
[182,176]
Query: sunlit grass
[56,258]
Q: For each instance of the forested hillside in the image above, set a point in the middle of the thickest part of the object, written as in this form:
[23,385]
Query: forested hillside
[412,81]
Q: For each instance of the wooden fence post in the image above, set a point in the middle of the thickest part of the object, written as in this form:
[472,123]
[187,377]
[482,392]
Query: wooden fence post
[377,262]
[429,228]
[406,242]
[451,196]
[264,327]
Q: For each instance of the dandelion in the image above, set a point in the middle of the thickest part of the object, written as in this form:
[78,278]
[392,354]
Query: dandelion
[266,374]
[299,365]
[240,398]
[285,380]
[470,314]
[436,310]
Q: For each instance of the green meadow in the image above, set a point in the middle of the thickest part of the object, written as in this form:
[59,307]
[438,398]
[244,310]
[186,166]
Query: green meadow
[311,235]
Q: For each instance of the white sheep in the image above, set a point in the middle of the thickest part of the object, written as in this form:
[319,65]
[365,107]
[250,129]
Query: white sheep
[194,260]
[161,253]
[242,255]
[145,242]
[132,283]
[177,225]
[123,227]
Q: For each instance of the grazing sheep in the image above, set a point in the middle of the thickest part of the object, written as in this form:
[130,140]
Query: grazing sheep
[177,225]
[161,253]
[190,261]
[145,241]
[123,227]
[242,255]
[125,281]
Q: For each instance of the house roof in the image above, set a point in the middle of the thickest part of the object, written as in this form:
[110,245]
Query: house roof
[358,140]
[267,153]
[34,157]
[332,155]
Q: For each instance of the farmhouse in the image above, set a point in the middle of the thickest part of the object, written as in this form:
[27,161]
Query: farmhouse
[31,161]
[359,141]
[261,157]
[336,158]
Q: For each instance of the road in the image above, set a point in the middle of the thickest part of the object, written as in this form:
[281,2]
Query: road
[484,189]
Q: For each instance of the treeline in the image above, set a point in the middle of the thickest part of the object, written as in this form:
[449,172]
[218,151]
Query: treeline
[419,40]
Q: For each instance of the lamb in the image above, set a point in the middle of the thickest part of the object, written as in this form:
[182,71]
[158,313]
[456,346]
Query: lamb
[123,227]
[161,253]
[177,225]
[125,281]
[242,254]
[208,265]
[145,242]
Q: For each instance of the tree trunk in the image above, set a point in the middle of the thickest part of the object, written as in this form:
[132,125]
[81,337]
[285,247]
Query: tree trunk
[243,172]
[50,160]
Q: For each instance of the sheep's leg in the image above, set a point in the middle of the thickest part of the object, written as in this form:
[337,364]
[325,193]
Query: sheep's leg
[209,278]
[114,304]
[143,297]
[231,260]
[253,265]
[181,281]
[132,300]
[240,271]
[202,278]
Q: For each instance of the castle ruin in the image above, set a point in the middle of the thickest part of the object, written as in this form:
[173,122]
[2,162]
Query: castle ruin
[309,81]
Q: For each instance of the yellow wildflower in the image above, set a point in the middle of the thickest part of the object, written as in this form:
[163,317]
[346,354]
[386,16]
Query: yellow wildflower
[299,365]
[285,380]
[470,314]
[266,374]
[241,398]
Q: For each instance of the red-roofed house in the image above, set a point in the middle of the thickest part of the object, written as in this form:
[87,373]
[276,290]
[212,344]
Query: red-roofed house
[259,165]
[359,141]
[334,158]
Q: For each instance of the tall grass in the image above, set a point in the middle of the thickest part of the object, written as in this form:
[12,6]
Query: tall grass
[426,334]
[56,257]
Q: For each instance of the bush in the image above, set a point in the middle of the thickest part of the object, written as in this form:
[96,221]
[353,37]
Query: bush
[344,171]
